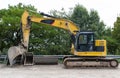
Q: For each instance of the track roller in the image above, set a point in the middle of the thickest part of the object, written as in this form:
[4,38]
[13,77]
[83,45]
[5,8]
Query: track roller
[114,63]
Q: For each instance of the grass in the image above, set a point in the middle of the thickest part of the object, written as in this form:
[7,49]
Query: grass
[118,60]
[60,61]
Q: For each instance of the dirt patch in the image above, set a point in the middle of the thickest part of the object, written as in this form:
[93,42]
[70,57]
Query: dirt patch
[57,71]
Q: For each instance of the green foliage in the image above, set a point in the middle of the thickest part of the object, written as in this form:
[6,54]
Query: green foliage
[43,39]
[86,21]
[10,25]
[96,25]
[116,34]
[80,16]
[49,40]
[111,45]
[116,30]
[61,14]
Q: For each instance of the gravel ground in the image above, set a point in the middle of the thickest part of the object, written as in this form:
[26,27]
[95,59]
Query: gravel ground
[57,71]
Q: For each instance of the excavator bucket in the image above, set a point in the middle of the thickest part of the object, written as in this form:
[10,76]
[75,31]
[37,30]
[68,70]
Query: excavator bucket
[13,54]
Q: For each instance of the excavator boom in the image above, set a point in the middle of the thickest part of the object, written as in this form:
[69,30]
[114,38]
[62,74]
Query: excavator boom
[55,22]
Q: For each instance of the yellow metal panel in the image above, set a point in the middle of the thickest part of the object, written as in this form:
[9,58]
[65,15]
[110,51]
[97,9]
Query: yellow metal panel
[100,42]
[25,28]
[94,53]
[60,23]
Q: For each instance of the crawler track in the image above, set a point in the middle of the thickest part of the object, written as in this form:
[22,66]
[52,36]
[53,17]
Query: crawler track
[90,62]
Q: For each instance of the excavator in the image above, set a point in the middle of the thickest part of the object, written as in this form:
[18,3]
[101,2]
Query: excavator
[86,51]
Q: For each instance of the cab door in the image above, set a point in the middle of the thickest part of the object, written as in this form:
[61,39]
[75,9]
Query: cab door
[85,42]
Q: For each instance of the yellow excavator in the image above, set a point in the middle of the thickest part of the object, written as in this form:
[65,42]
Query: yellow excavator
[85,49]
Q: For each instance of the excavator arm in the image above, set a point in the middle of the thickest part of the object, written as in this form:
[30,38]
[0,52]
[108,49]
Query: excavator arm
[55,22]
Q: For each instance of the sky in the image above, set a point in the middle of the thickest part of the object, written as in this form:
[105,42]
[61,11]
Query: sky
[108,10]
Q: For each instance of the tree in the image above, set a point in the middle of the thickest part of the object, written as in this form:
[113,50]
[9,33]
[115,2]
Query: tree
[116,34]
[80,16]
[49,40]
[111,45]
[10,24]
[116,29]
[86,21]
[44,39]
[62,13]
[95,24]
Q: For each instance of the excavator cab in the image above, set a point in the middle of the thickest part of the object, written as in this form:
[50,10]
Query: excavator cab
[86,45]
[85,41]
